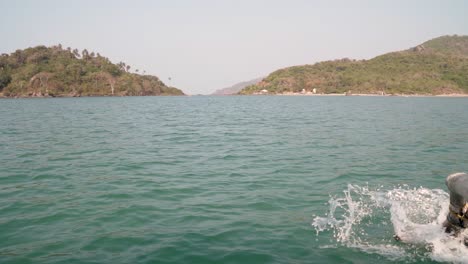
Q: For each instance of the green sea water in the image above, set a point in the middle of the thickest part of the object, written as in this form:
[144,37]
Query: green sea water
[226,179]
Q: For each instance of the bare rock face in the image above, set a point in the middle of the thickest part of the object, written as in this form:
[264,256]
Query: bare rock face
[419,48]
[37,94]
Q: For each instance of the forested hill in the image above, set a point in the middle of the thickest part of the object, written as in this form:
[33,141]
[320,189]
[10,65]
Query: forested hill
[438,66]
[55,71]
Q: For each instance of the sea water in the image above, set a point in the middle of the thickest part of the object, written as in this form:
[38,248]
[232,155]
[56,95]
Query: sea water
[239,179]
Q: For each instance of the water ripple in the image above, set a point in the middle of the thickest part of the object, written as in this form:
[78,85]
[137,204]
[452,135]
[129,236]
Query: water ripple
[207,179]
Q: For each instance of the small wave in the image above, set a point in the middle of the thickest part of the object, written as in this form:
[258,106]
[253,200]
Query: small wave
[368,219]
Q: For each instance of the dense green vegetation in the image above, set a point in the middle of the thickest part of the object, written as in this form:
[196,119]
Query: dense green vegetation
[54,71]
[438,66]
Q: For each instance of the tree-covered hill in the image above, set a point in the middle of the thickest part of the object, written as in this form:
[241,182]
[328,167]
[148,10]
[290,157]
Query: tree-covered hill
[438,66]
[55,71]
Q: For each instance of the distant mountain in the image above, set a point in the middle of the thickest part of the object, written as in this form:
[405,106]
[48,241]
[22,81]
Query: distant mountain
[236,87]
[438,66]
[54,71]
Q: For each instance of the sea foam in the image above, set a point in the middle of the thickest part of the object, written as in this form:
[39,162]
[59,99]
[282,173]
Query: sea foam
[370,220]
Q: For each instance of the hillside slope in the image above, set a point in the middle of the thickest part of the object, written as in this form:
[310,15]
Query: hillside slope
[438,66]
[54,71]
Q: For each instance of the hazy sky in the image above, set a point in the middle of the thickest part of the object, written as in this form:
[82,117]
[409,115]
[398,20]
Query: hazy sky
[205,45]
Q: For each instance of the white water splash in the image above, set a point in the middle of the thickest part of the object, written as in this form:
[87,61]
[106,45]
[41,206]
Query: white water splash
[367,219]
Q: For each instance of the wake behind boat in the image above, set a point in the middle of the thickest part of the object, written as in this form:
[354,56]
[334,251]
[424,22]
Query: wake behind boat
[427,223]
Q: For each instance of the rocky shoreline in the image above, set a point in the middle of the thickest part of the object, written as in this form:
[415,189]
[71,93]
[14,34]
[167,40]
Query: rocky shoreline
[369,95]
[72,96]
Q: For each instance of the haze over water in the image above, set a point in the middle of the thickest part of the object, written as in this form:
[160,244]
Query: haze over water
[223,179]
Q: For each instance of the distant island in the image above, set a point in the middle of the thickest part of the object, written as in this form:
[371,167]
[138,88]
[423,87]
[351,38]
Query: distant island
[234,89]
[57,72]
[436,67]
